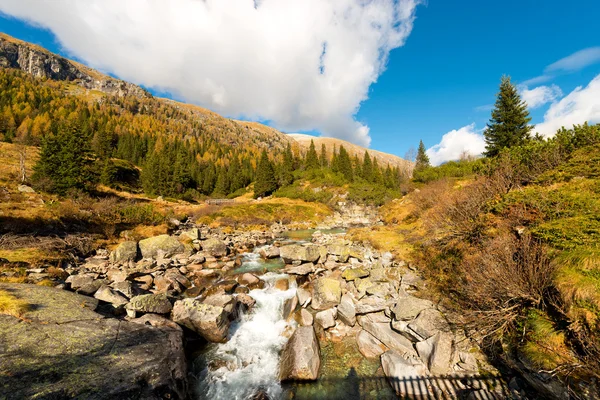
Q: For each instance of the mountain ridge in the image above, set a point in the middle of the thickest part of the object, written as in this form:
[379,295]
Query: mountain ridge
[42,63]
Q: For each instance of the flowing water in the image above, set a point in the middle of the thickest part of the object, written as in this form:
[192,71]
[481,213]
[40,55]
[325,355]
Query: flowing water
[249,362]
[253,262]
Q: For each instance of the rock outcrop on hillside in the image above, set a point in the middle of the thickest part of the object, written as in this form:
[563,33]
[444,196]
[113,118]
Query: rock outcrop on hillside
[43,64]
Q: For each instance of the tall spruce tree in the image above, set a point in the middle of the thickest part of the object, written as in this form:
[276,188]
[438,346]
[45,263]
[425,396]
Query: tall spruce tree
[509,124]
[422,160]
[312,159]
[287,167]
[265,183]
[345,164]
[367,168]
[65,160]
[323,157]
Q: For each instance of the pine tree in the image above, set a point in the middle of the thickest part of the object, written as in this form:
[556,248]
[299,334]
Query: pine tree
[222,185]
[287,167]
[345,164]
[65,161]
[265,183]
[367,168]
[422,160]
[509,124]
[312,159]
[323,157]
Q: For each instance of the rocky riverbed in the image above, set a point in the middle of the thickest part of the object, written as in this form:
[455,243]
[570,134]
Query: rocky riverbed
[120,323]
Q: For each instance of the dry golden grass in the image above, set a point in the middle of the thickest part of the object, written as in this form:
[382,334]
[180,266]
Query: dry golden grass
[9,162]
[10,305]
[29,255]
[384,238]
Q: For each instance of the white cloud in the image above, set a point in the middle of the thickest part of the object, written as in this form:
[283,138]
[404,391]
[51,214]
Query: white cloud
[579,106]
[576,61]
[302,64]
[540,95]
[572,63]
[455,143]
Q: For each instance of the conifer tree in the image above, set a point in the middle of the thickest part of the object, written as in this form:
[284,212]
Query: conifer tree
[265,183]
[367,168]
[65,160]
[345,164]
[422,160]
[323,157]
[312,159]
[287,167]
[222,185]
[509,124]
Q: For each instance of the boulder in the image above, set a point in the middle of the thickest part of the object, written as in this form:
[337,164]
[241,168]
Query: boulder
[125,288]
[117,275]
[341,251]
[246,300]
[369,305]
[150,303]
[191,234]
[409,307]
[226,301]
[289,306]
[368,345]
[215,247]
[326,318]
[428,323]
[296,252]
[300,359]
[306,318]
[395,341]
[209,321]
[346,311]
[436,353]
[81,280]
[304,297]
[326,293]
[269,252]
[25,189]
[248,279]
[351,274]
[406,376]
[157,321]
[282,284]
[108,295]
[302,269]
[165,245]
[386,275]
[125,252]
[61,348]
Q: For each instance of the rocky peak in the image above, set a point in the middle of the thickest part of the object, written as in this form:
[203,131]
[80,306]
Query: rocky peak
[41,63]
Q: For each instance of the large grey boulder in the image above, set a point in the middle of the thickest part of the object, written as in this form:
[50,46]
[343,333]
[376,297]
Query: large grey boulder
[215,247]
[209,321]
[300,360]
[326,293]
[125,252]
[409,307]
[296,252]
[406,376]
[302,269]
[326,318]
[165,245]
[150,303]
[392,339]
[351,274]
[346,311]
[436,353]
[368,345]
[340,250]
[108,295]
[61,348]
[428,323]
[269,252]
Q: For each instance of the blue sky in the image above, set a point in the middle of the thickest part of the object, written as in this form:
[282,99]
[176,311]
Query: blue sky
[440,80]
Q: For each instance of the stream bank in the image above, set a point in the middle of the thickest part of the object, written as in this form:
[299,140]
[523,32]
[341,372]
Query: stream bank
[248,293]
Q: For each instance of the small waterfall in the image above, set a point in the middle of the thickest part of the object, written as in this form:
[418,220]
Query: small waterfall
[249,361]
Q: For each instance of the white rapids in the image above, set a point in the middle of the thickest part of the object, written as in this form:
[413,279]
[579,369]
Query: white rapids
[249,361]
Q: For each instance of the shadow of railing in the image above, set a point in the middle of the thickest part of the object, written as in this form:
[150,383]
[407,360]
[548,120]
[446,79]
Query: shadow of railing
[354,387]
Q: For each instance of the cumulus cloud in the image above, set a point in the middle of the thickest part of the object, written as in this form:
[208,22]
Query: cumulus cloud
[302,64]
[540,95]
[579,106]
[456,143]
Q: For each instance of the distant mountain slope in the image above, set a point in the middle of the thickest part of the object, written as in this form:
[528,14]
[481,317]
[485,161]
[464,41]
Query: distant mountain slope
[92,85]
[383,159]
